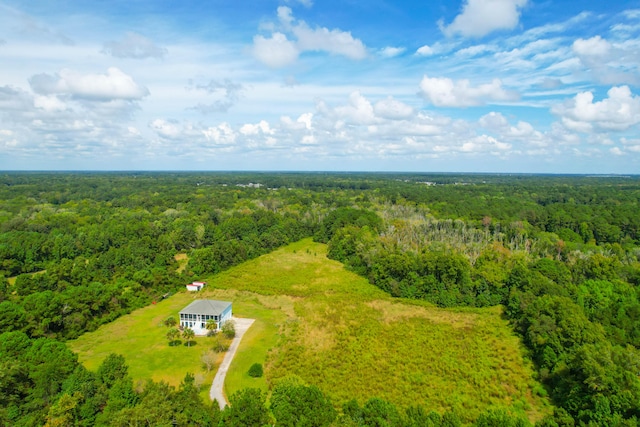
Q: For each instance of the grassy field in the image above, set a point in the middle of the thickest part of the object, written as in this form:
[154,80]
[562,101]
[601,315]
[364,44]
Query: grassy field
[140,338]
[331,328]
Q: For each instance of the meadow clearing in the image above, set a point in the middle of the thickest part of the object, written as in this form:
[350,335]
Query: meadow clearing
[329,327]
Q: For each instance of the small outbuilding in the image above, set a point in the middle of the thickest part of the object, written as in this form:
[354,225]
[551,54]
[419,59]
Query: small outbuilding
[195,286]
[196,315]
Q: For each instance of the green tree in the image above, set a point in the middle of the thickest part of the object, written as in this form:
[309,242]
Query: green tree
[380,413]
[501,418]
[296,405]
[188,335]
[170,322]
[229,329]
[112,369]
[212,327]
[247,409]
[172,335]
[64,412]
[255,371]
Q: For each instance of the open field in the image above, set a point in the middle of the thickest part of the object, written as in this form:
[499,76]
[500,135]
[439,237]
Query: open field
[353,340]
[331,328]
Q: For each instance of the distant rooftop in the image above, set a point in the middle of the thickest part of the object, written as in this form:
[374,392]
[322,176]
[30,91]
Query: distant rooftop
[206,306]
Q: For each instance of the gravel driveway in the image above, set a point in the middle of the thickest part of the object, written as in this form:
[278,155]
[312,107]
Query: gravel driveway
[217,386]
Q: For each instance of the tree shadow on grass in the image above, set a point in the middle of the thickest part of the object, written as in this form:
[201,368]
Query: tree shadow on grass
[174,343]
[190,343]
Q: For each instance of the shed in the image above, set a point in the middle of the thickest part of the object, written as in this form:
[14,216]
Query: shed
[196,286]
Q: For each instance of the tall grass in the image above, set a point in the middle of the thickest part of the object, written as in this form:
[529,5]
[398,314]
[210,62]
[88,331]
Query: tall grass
[354,341]
[333,329]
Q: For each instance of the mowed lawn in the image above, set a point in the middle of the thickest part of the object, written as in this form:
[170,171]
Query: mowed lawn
[141,338]
[333,329]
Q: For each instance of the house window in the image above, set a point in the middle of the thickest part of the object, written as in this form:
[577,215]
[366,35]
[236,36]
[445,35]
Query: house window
[201,325]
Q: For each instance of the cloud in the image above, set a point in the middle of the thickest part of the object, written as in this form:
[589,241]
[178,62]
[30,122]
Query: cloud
[49,103]
[550,83]
[390,108]
[444,92]
[475,50]
[609,63]
[222,134]
[632,145]
[592,48]
[113,85]
[390,52]
[134,45]
[481,17]
[497,124]
[358,111]
[30,27]
[302,123]
[618,112]
[14,99]
[166,129]
[484,143]
[279,50]
[275,52]
[331,41]
[262,127]
[425,50]
[305,3]
[227,92]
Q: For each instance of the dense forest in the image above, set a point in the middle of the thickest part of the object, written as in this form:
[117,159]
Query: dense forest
[561,254]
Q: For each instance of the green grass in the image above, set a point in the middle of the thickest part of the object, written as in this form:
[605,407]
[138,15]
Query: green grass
[331,328]
[140,338]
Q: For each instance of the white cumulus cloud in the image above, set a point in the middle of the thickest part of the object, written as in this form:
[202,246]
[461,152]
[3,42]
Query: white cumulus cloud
[166,129]
[609,63]
[425,50]
[113,85]
[284,47]
[331,41]
[276,51]
[444,92]
[619,111]
[593,47]
[390,108]
[222,134]
[261,127]
[481,17]
[359,110]
[49,103]
[390,51]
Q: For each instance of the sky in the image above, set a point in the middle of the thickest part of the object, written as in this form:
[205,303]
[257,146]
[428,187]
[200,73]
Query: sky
[506,86]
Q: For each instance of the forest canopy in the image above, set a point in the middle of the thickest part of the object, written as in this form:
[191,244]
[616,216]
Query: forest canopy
[561,254]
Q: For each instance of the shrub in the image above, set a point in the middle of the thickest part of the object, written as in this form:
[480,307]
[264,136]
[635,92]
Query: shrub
[229,329]
[219,346]
[255,370]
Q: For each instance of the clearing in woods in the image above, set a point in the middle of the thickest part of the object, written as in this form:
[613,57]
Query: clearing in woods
[331,328]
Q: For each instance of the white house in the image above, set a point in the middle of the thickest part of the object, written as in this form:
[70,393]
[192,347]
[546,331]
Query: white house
[196,314]
[196,286]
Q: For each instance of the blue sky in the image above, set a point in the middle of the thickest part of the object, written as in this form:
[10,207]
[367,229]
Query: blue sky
[435,86]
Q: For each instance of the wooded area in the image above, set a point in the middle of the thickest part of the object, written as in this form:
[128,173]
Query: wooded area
[561,254]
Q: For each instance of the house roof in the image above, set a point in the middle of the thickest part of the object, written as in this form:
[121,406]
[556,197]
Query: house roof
[206,306]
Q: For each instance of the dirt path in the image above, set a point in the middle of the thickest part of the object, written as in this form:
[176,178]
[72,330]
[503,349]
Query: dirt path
[217,387]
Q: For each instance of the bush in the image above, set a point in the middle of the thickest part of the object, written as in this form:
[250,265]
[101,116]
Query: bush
[229,329]
[220,346]
[255,370]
